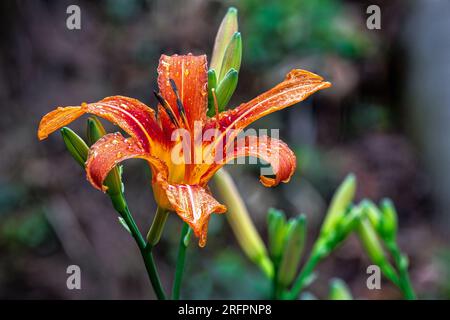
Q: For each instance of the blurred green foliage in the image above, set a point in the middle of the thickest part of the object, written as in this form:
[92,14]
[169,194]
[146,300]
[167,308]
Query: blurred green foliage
[299,28]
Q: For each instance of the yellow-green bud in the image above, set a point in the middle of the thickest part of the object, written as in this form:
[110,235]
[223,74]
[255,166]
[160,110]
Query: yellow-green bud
[212,86]
[339,290]
[113,181]
[241,224]
[388,226]
[75,145]
[293,250]
[227,29]
[370,242]
[276,226]
[342,198]
[226,88]
[232,56]
[372,213]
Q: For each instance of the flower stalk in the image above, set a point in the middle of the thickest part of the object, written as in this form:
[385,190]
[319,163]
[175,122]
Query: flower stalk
[184,242]
[79,151]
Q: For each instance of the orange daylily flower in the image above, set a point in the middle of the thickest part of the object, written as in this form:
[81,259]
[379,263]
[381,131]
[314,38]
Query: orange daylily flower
[181,185]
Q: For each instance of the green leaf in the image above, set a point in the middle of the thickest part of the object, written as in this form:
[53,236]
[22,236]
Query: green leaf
[226,89]
[75,145]
[124,224]
[233,55]
[226,30]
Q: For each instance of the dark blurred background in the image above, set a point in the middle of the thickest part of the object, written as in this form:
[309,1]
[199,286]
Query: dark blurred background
[385,119]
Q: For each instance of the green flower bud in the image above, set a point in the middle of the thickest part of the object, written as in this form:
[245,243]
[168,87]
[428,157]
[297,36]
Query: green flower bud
[241,223]
[339,290]
[113,181]
[226,89]
[293,250]
[370,242]
[372,213]
[95,130]
[339,204]
[276,223]
[75,145]
[350,220]
[212,86]
[227,29]
[233,56]
[388,226]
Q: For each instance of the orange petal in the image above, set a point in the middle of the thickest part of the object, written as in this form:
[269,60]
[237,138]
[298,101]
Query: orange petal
[190,75]
[110,150]
[194,204]
[273,151]
[131,115]
[297,86]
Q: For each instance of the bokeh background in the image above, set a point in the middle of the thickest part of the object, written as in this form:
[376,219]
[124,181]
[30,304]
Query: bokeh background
[385,119]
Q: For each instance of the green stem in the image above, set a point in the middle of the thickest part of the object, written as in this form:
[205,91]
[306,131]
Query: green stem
[304,275]
[155,232]
[180,262]
[121,207]
[404,283]
[275,283]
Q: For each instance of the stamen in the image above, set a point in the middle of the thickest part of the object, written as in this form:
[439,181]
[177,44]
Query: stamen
[166,108]
[180,106]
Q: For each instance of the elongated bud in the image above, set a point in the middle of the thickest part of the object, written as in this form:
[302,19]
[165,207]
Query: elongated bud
[241,223]
[372,213]
[276,226]
[212,85]
[293,250]
[75,145]
[339,290]
[227,29]
[233,56]
[339,204]
[226,89]
[95,130]
[388,227]
[349,221]
[370,242]
[113,181]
